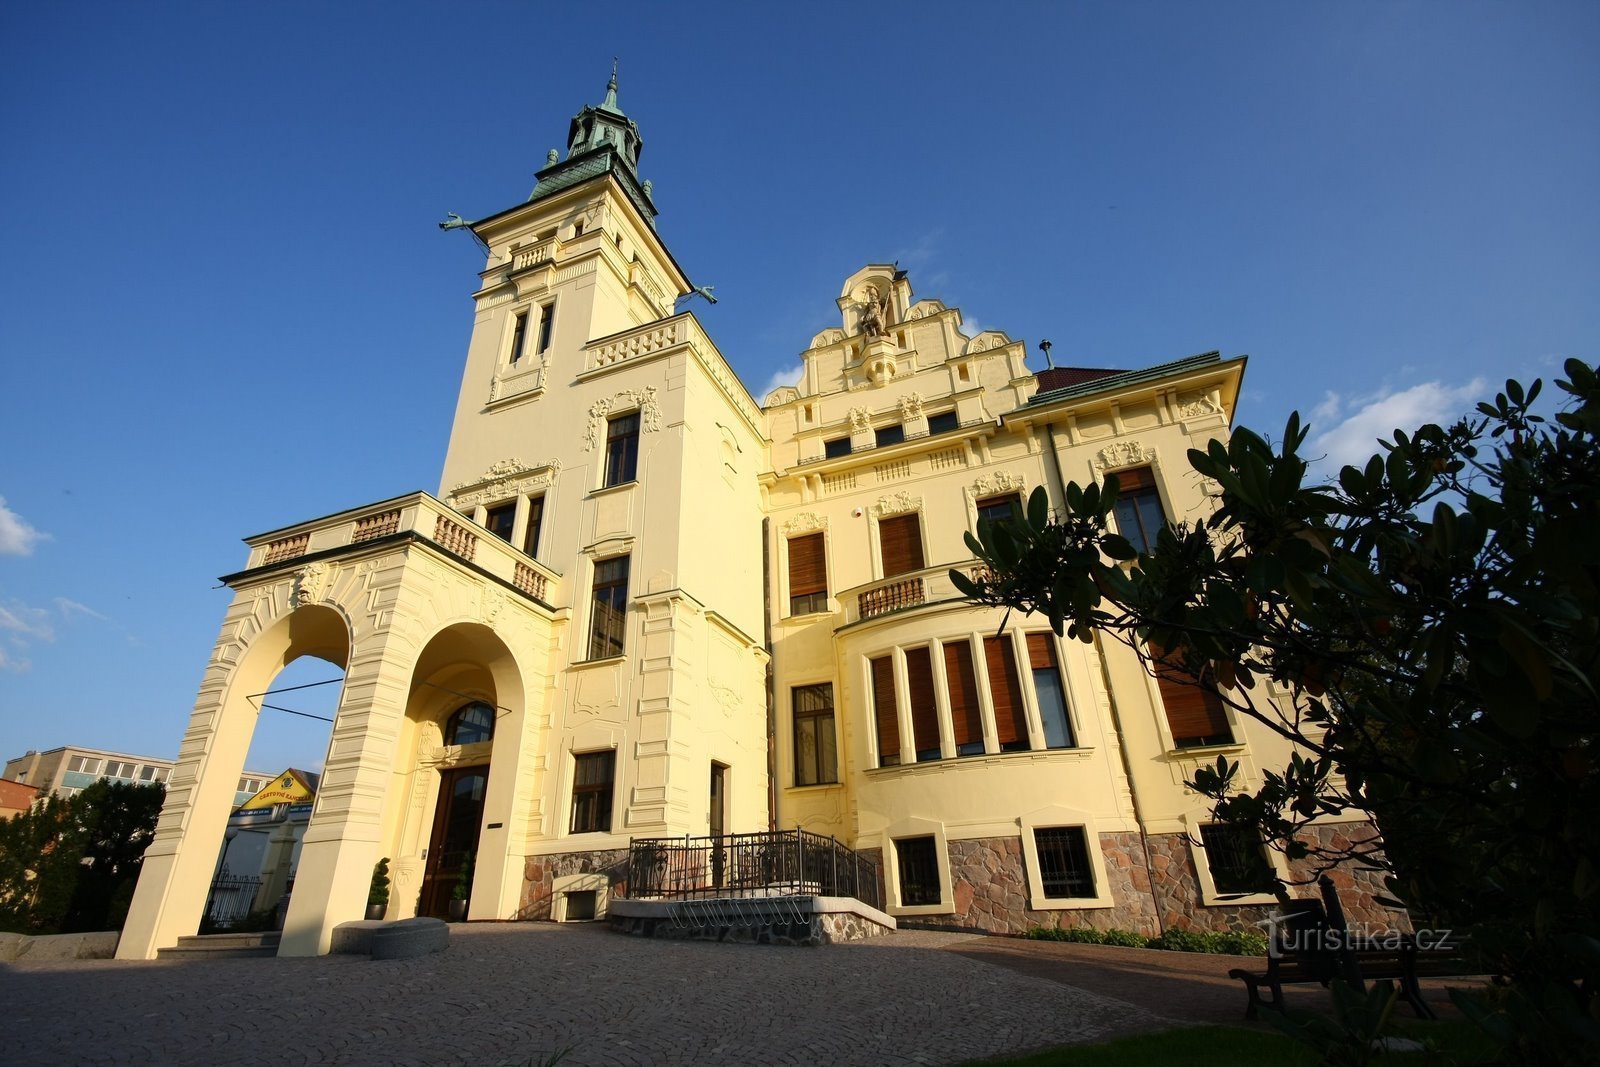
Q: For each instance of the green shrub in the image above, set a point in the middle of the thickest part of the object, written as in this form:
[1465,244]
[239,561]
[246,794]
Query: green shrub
[1221,942]
[1124,938]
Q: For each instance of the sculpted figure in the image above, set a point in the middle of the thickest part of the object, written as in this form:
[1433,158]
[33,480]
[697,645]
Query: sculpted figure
[874,313]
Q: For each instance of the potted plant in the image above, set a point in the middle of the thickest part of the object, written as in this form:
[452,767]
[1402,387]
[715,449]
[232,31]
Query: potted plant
[458,897]
[378,894]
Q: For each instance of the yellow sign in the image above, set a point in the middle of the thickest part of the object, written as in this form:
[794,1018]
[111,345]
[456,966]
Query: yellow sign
[287,788]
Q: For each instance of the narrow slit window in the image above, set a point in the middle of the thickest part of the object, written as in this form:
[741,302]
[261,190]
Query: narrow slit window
[885,712]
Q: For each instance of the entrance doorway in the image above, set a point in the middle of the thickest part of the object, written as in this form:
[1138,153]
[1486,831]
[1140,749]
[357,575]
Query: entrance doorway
[456,821]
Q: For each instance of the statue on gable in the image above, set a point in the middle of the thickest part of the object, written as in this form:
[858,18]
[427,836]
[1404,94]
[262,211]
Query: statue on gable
[874,313]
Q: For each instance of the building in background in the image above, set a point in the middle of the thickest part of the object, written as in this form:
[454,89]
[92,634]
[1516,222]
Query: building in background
[16,798]
[261,847]
[64,771]
[644,605]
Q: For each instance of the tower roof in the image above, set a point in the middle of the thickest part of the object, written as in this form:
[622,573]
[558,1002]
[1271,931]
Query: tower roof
[602,139]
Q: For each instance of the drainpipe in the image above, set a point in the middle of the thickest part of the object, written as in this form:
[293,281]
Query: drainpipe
[1058,483]
[772,703]
[1127,770]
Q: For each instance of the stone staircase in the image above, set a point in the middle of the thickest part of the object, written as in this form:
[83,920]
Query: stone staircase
[223,947]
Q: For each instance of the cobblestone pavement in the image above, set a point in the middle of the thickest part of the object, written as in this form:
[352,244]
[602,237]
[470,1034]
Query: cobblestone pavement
[515,993]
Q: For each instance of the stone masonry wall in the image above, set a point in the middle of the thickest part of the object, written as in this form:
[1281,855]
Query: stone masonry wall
[1358,889]
[540,872]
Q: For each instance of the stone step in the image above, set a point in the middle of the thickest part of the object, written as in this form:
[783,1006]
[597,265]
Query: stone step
[223,946]
[214,952]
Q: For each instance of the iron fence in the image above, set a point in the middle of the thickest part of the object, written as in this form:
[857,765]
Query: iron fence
[772,863]
[230,898]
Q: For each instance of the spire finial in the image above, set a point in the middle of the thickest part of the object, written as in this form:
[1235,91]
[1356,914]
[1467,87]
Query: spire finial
[611,88]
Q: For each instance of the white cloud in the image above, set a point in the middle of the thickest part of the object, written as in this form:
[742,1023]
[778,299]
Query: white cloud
[22,622]
[22,625]
[1368,419]
[17,538]
[782,376]
[69,608]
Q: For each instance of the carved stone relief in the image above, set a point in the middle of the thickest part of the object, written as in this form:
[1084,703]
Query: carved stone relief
[643,399]
[987,340]
[507,478]
[1193,405]
[1123,454]
[896,504]
[783,394]
[805,522]
[911,406]
[727,698]
[860,420]
[310,583]
[998,482]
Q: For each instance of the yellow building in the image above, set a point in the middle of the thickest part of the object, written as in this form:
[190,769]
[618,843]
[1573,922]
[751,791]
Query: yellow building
[643,605]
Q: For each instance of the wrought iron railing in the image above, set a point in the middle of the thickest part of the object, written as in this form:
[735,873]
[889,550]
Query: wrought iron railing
[231,898]
[773,863]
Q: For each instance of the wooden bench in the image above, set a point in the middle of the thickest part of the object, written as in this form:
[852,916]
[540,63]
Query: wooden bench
[1311,943]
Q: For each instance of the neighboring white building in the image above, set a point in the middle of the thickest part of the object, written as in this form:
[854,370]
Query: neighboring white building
[64,771]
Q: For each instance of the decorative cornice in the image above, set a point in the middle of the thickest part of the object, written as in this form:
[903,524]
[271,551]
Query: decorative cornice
[507,478]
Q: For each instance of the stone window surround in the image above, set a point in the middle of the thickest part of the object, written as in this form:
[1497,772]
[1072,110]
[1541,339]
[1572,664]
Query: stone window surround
[1152,459]
[785,536]
[1057,816]
[1071,688]
[1209,897]
[907,828]
[598,884]
[589,556]
[893,508]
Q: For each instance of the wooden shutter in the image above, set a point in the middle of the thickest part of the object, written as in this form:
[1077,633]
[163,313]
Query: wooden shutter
[883,707]
[1194,711]
[1010,721]
[924,710]
[1041,652]
[966,715]
[808,565]
[900,541]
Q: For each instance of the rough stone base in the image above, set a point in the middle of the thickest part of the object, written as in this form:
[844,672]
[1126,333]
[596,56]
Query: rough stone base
[540,873]
[402,940]
[99,945]
[821,920]
[1358,889]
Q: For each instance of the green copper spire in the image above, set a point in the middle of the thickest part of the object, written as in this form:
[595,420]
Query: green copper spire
[610,102]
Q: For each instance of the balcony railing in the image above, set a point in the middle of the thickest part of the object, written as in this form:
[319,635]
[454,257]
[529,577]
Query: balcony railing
[421,516]
[774,863]
[931,585]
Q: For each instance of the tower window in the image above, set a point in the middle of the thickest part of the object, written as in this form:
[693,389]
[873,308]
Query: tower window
[815,758]
[519,336]
[530,540]
[609,609]
[622,449]
[594,774]
[547,318]
[501,520]
[1138,508]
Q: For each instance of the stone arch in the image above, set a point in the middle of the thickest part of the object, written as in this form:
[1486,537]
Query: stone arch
[262,635]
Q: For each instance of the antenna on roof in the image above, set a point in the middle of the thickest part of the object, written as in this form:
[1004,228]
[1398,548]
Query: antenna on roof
[1044,346]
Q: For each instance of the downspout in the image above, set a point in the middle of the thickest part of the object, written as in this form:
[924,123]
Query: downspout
[772,703]
[1127,771]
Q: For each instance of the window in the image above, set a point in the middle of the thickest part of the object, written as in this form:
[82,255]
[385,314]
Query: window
[998,508]
[918,860]
[1010,720]
[501,520]
[1195,714]
[519,336]
[885,712]
[815,755]
[808,575]
[1049,688]
[116,769]
[148,773]
[592,779]
[609,611]
[944,422]
[547,318]
[924,710]
[839,446]
[1064,868]
[250,785]
[470,724]
[966,714]
[890,435]
[1138,510]
[622,448]
[86,764]
[530,540]
[1238,862]
[900,544]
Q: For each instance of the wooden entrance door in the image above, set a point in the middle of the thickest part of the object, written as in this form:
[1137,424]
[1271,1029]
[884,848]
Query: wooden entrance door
[457,818]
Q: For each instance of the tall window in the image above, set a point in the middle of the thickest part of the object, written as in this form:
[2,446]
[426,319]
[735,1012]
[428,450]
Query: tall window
[1049,688]
[530,540]
[501,520]
[1064,868]
[900,543]
[924,710]
[918,859]
[470,724]
[547,318]
[622,448]
[1238,862]
[519,336]
[808,575]
[1010,720]
[609,612]
[594,774]
[1138,510]
[884,711]
[1195,714]
[889,435]
[997,508]
[815,756]
[966,714]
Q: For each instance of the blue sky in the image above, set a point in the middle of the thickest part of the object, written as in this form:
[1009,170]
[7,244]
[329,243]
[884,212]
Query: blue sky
[221,221]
